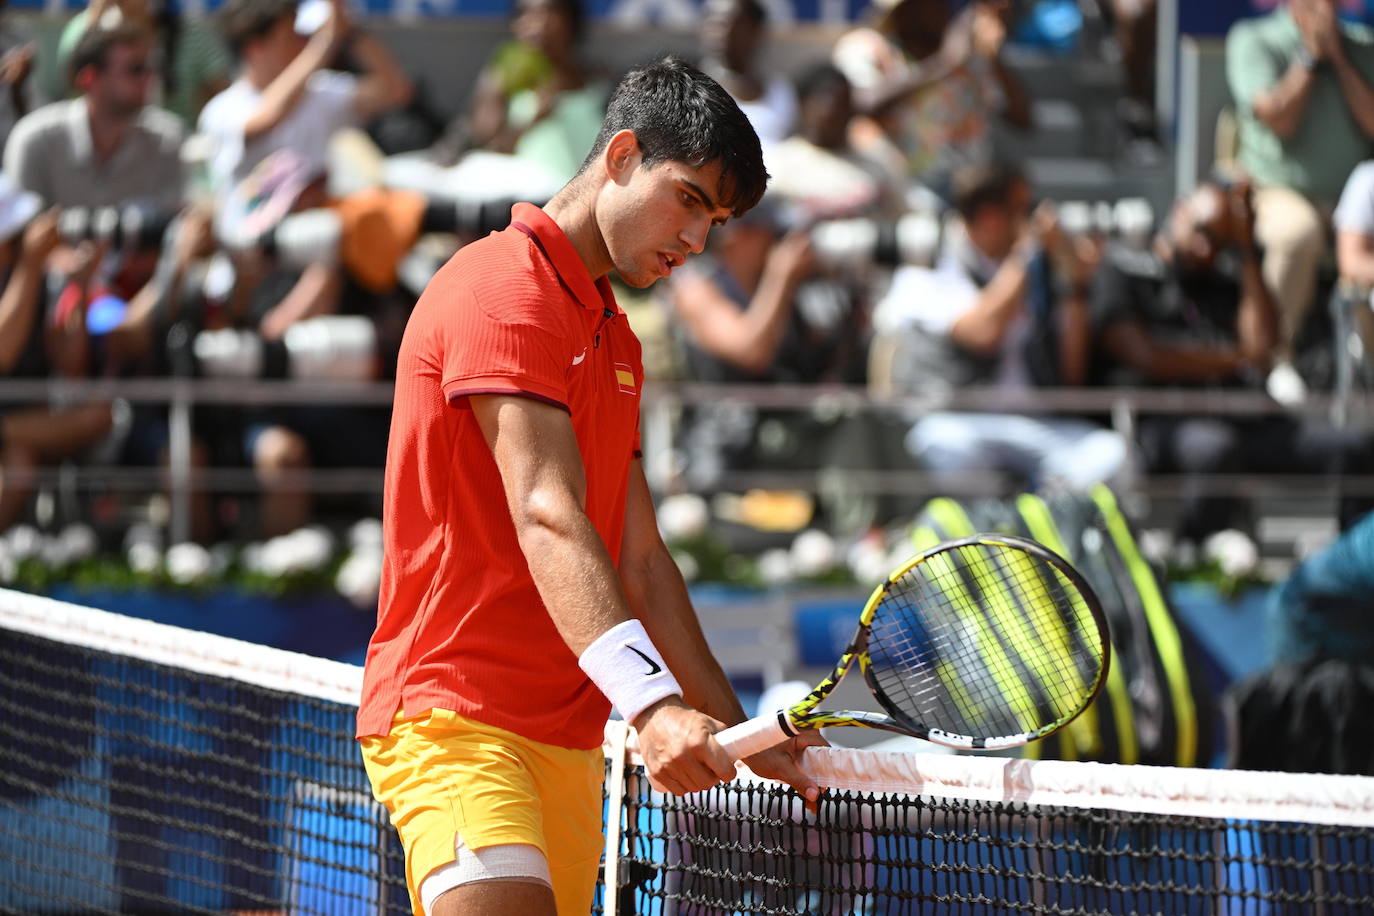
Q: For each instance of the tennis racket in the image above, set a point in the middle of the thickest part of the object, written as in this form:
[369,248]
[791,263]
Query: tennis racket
[989,641]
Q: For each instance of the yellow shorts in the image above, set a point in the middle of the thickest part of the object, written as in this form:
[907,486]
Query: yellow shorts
[443,776]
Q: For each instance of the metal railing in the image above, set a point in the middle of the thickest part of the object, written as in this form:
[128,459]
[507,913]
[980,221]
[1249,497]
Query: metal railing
[662,402]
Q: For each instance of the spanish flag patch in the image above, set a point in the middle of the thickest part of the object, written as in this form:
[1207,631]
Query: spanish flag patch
[625,377]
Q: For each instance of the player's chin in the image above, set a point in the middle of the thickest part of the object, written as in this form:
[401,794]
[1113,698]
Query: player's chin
[639,279]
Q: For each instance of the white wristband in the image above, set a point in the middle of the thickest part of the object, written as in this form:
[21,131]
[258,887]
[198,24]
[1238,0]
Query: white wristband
[628,669]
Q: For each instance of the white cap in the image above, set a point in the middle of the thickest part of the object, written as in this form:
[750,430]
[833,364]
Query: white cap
[311,16]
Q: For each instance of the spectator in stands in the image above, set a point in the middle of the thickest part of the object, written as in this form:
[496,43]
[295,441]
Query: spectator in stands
[193,63]
[271,132]
[732,34]
[1194,311]
[107,146]
[18,92]
[1354,223]
[1301,80]
[927,79]
[31,347]
[817,171]
[533,117]
[758,306]
[1135,24]
[1004,306]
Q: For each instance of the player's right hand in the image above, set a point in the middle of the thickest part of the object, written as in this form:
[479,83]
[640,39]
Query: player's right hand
[679,753]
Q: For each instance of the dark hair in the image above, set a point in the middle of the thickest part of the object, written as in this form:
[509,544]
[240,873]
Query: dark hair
[94,46]
[976,186]
[819,78]
[241,21]
[679,114]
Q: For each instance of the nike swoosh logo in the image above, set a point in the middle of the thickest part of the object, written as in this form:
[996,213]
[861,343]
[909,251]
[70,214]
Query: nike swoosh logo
[654,667]
[577,360]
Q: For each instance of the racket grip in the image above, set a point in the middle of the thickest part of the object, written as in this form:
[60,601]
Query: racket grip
[748,738]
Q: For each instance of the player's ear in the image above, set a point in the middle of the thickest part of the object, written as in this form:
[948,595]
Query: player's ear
[622,155]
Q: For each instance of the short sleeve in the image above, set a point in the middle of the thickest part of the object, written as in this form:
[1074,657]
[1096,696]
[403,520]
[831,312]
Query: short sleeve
[1251,67]
[1355,212]
[504,348]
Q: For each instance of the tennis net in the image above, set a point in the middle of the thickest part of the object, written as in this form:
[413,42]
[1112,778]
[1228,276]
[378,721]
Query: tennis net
[146,769]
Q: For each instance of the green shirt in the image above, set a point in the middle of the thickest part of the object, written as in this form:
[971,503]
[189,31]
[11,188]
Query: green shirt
[1328,143]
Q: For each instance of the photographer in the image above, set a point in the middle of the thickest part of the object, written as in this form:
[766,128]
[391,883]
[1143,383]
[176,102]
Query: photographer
[1194,311]
[31,346]
[1005,307]
[758,307]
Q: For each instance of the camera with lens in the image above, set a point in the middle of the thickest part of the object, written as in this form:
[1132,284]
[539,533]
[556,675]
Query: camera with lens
[130,227]
[860,241]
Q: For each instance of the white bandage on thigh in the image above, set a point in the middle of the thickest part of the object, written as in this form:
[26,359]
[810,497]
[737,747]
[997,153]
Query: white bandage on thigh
[628,669]
[506,862]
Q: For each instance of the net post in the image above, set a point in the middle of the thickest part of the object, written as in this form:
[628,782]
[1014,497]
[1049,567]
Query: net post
[615,746]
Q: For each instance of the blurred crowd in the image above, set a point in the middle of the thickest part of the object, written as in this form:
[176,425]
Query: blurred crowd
[265,193]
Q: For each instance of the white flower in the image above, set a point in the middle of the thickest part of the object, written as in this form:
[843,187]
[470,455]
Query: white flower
[687,565]
[360,577]
[1156,544]
[53,553]
[25,542]
[303,550]
[683,517]
[775,567]
[867,559]
[79,541]
[1233,551]
[365,533]
[188,563]
[313,546]
[1185,555]
[253,558]
[144,558]
[813,553]
[9,567]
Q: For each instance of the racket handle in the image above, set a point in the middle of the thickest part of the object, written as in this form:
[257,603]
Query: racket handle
[748,738]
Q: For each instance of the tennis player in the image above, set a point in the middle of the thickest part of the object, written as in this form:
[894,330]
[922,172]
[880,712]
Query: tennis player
[525,587]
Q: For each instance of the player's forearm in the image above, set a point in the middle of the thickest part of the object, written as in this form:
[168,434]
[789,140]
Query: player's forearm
[658,595]
[572,571]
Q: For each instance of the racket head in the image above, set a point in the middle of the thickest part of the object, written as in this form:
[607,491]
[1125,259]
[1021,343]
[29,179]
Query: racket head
[989,641]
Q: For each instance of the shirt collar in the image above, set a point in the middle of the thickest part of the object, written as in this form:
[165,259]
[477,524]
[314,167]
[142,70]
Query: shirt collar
[79,131]
[554,243]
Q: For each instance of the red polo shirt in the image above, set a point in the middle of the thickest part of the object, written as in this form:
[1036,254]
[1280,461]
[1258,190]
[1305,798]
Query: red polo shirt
[460,624]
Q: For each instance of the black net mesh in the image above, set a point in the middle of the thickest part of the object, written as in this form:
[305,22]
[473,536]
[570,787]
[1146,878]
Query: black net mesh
[128,786]
[747,848]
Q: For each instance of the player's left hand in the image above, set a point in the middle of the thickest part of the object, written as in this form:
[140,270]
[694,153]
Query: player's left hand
[783,763]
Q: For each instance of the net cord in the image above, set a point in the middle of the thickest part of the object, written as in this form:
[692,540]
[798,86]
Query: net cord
[1227,794]
[204,653]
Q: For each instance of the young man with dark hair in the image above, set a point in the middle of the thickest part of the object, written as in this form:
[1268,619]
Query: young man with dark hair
[525,587]
[107,146]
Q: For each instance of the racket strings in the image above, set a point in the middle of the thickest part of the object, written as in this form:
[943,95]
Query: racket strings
[985,640]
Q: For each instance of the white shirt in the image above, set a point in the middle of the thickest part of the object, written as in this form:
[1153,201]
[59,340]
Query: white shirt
[325,107]
[1355,212]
